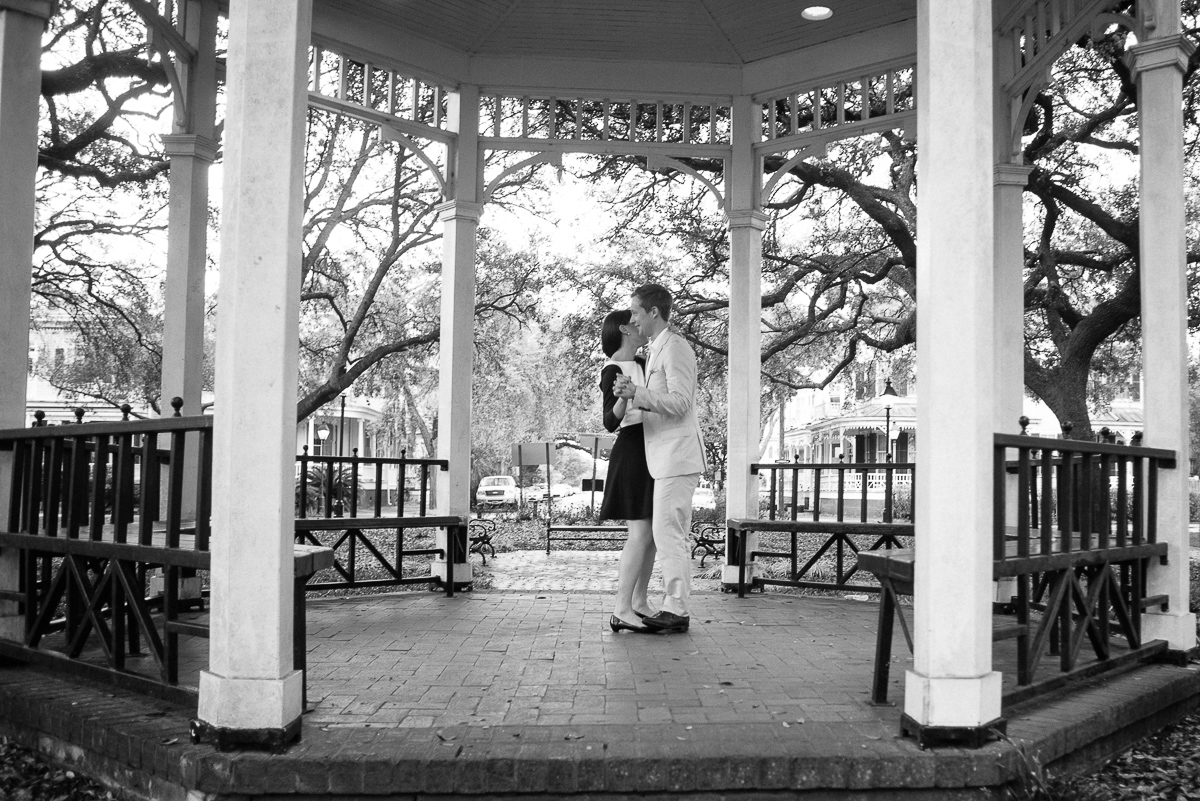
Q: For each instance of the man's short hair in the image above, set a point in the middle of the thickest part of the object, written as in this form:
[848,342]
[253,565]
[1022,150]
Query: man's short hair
[654,296]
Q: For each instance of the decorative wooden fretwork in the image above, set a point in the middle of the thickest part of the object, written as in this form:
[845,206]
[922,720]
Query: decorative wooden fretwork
[877,98]
[696,127]
[1037,32]
[405,104]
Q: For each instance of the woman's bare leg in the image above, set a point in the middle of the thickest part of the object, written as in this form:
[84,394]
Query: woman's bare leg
[633,572]
[641,603]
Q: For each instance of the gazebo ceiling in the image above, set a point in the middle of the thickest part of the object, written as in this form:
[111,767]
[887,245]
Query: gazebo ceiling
[724,32]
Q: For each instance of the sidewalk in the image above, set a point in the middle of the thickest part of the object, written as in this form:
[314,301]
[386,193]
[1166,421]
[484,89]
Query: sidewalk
[574,571]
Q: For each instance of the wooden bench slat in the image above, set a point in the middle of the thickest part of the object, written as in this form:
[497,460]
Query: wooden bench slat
[821,527]
[613,529]
[343,523]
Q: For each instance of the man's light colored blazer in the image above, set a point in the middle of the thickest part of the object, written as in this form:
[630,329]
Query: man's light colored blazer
[674,445]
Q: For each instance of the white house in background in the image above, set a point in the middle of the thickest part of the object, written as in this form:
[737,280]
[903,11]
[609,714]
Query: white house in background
[343,426]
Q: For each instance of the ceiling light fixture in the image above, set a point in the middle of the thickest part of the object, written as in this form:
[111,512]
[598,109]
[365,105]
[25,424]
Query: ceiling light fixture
[817,13]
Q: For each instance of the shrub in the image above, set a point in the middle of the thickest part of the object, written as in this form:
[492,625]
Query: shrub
[1194,506]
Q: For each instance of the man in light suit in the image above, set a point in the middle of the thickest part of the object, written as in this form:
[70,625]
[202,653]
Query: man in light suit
[674,447]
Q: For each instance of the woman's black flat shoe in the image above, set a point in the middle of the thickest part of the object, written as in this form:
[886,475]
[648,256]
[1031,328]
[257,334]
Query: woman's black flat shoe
[640,615]
[616,624]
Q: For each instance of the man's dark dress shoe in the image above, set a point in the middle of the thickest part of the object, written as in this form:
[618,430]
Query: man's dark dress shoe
[667,623]
[616,624]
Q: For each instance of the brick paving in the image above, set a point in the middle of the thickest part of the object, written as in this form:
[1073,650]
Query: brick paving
[550,659]
[515,691]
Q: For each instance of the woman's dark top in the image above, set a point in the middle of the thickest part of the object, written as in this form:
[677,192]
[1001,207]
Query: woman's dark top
[628,488]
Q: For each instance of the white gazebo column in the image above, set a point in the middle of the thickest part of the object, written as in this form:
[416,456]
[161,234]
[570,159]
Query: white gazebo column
[251,690]
[744,361]
[21,26]
[952,694]
[191,149]
[1158,65]
[460,220]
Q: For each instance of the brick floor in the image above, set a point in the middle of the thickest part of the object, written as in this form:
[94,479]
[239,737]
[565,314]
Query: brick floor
[507,658]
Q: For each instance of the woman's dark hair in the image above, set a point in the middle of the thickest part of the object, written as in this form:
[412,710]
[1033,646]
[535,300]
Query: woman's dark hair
[610,332]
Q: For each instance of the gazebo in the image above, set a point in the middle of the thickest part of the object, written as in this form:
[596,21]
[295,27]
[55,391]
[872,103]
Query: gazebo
[716,79]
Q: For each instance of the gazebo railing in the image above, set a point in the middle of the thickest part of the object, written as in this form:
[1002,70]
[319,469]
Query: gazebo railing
[1078,551]
[111,522]
[338,486]
[830,489]
[92,510]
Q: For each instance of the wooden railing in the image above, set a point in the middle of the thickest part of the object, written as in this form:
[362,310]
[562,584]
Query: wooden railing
[826,490]
[1084,535]
[334,486]
[85,512]
[112,523]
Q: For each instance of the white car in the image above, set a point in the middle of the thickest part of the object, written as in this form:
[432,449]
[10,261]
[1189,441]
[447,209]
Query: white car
[497,491]
[558,491]
[704,498]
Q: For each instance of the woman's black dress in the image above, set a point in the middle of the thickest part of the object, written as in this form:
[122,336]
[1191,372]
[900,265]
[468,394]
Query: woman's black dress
[628,488]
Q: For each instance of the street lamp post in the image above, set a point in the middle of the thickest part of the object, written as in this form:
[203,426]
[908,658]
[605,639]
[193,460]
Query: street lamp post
[888,399]
[338,509]
[322,435]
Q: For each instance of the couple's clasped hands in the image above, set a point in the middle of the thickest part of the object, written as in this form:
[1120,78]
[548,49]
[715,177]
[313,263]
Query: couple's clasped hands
[623,387]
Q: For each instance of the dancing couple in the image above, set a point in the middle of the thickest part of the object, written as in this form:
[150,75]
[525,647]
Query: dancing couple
[656,462]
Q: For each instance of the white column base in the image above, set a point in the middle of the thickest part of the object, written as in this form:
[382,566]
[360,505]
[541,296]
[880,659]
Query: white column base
[463,571]
[1177,628]
[729,574]
[250,704]
[952,702]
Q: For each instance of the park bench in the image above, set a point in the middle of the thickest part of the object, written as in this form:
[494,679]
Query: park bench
[709,538]
[353,529]
[573,533]
[479,533]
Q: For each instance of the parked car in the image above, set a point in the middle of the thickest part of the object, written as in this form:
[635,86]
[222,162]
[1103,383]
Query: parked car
[558,491]
[497,491]
[704,498]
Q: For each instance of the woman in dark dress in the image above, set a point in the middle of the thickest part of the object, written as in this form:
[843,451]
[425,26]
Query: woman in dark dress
[628,488]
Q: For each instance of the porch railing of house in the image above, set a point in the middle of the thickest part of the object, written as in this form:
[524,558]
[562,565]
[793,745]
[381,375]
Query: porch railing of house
[1084,535]
[827,512]
[112,523]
